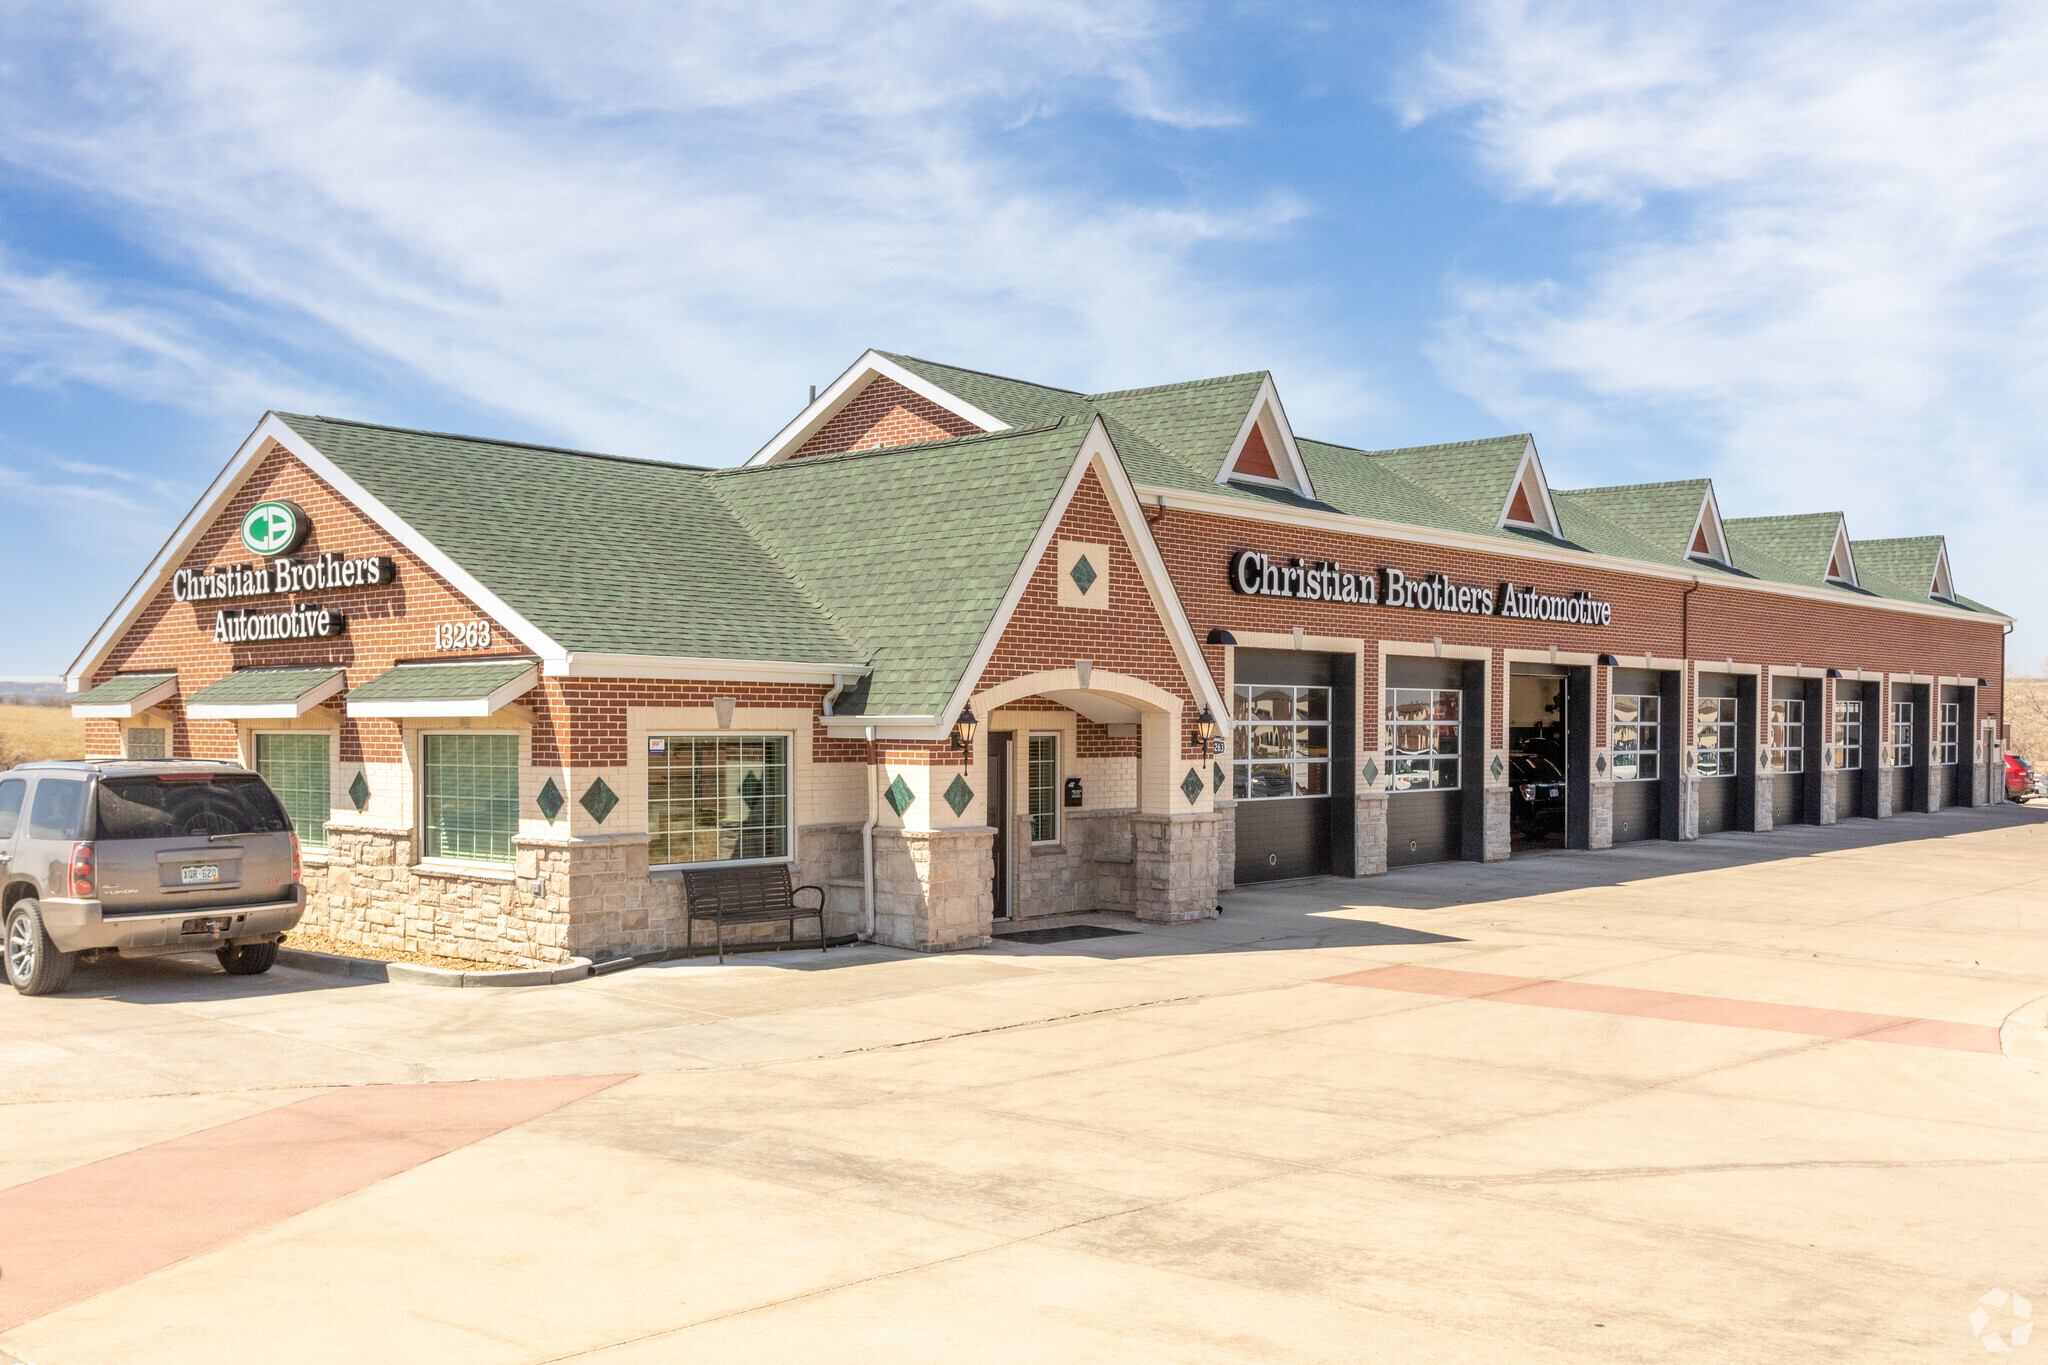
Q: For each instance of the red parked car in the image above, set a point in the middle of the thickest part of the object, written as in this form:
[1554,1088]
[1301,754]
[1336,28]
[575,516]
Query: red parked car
[2021,781]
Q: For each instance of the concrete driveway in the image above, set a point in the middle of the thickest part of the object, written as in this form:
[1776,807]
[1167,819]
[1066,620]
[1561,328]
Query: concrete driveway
[1760,1098]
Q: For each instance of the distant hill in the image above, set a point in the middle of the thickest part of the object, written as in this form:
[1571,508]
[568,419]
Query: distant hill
[32,692]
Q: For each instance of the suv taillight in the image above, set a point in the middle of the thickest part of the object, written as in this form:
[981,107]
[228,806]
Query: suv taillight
[295,855]
[81,869]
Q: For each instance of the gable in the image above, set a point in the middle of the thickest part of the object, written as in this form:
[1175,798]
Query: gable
[1841,560]
[1944,587]
[884,413]
[1528,506]
[1709,538]
[1264,450]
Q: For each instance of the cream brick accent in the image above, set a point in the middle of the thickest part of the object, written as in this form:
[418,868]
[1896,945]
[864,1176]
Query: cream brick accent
[1070,594]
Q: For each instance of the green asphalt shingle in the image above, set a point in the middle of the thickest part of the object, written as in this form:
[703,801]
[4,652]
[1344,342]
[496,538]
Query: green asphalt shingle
[262,686]
[1801,543]
[440,682]
[126,687]
[1904,565]
[606,555]
[909,549]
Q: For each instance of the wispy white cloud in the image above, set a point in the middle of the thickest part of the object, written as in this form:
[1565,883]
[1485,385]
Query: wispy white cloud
[636,226]
[1822,249]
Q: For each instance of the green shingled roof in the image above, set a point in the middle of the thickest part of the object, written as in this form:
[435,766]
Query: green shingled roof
[262,686]
[909,550]
[1905,566]
[606,555]
[440,682]
[126,687]
[1652,521]
[1801,543]
[1015,401]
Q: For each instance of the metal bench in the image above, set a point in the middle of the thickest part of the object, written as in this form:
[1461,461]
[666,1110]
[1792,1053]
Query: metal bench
[746,895]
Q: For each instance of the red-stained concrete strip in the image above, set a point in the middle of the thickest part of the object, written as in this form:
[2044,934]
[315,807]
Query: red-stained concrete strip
[81,1232]
[1593,998]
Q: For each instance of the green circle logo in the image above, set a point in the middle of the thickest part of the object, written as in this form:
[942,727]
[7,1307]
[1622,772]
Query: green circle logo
[276,527]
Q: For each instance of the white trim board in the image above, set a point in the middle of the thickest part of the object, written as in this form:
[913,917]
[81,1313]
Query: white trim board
[1267,414]
[848,386]
[1529,476]
[1709,521]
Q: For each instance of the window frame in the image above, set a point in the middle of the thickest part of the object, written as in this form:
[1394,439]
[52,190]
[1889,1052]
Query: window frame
[1653,728]
[1241,728]
[1725,737]
[1785,739]
[326,738]
[519,765]
[1839,745]
[1438,760]
[788,855]
[1894,746]
[1948,726]
[1033,740]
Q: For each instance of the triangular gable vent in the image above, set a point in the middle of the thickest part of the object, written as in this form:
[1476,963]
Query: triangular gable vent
[1709,541]
[1528,506]
[1264,452]
[1944,587]
[1841,561]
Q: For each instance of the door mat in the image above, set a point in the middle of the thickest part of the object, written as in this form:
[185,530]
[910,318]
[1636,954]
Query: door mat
[1066,933]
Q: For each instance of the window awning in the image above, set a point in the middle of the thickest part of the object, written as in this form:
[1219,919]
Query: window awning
[265,694]
[470,689]
[128,695]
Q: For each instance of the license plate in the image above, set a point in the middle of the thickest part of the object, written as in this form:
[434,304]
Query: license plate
[199,874]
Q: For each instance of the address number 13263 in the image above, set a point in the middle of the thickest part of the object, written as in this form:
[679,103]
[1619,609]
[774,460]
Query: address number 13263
[462,635]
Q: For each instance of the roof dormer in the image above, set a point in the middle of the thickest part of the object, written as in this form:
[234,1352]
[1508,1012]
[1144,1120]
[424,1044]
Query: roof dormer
[876,402]
[1528,506]
[1841,559]
[1943,588]
[1264,453]
[1709,538]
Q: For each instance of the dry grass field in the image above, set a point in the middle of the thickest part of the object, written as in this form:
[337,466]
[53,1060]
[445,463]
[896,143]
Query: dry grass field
[2026,712]
[28,733]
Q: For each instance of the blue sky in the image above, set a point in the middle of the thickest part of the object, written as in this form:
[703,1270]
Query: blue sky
[1801,249]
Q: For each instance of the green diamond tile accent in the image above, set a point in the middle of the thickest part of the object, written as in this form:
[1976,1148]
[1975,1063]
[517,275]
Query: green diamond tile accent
[1219,776]
[1600,764]
[1191,785]
[958,795]
[1372,772]
[551,801]
[899,794]
[1496,767]
[600,800]
[359,791]
[1084,575]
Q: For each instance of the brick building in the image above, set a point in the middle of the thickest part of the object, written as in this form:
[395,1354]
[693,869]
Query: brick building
[962,649]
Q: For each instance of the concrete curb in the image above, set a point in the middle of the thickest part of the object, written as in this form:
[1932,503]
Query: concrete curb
[409,973]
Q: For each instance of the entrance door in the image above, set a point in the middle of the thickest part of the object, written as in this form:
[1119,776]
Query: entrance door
[999,788]
[1539,749]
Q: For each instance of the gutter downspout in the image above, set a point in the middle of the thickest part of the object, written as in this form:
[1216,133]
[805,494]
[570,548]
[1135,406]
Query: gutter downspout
[867,850]
[838,686]
[1685,619]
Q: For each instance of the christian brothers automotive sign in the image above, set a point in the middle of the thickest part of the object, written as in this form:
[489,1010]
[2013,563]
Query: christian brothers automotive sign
[1257,575]
[276,528]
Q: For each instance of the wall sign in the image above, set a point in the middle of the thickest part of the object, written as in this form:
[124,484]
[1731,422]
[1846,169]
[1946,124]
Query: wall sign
[275,528]
[1253,574]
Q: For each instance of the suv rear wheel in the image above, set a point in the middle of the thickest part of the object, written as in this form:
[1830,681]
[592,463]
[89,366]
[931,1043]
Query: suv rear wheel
[34,966]
[248,959]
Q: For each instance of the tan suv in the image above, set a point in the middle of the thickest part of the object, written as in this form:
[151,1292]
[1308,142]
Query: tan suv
[142,859]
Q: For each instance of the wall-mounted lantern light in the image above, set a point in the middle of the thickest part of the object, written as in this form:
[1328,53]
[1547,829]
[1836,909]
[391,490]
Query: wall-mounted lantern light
[1834,673]
[1205,728]
[963,728]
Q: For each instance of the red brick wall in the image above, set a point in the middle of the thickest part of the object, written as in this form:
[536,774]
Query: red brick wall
[1128,637]
[386,623]
[884,414]
[1649,613]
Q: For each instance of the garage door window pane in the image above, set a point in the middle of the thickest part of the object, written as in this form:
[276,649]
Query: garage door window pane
[1280,723]
[469,802]
[1422,733]
[1715,736]
[296,768]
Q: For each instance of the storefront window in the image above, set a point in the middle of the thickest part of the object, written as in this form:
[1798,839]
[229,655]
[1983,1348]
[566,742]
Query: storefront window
[1847,740]
[296,768]
[1786,749]
[1715,736]
[469,796]
[717,798]
[1898,749]
[1422,729]
[1042,799]
[1280,742]
[1635,738]
[1949,738]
